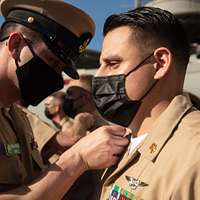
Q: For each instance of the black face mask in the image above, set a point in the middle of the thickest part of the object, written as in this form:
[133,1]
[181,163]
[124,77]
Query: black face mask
[111,99]
[68,106]
[37,80]
[48,114]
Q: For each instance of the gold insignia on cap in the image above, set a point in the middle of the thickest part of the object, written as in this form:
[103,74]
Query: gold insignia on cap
[83,46]
[30,20]
[153,148]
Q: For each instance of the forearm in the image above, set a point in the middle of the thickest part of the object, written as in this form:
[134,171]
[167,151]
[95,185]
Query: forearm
[58,144]
[53,183]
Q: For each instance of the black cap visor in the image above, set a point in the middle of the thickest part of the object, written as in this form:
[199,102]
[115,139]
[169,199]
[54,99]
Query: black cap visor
[63,43]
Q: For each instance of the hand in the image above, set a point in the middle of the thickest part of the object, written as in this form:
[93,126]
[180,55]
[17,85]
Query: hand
[83,120]
[83,101]
[81,125]
[101,148]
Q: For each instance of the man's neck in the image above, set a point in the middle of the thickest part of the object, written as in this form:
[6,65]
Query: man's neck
[148,112]
[155,103]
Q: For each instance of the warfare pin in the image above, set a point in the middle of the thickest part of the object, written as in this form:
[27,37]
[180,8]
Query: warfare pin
[134,183]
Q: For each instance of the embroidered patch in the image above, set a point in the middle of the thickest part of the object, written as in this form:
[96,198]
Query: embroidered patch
[118,193]
[12,149]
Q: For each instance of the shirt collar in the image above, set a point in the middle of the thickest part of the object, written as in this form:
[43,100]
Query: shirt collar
[164,126]
[135,142]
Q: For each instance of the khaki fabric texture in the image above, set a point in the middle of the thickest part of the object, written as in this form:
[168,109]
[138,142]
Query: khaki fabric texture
[65,123]
[13,171]
[168,161]
[42,131]
[85,185]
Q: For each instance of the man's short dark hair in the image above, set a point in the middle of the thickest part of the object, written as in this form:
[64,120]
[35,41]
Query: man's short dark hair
[10,27]
[153,28]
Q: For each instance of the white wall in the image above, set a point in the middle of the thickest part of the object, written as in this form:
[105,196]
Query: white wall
[192,79]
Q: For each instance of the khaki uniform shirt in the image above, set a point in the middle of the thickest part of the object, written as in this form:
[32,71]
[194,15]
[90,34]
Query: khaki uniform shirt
[84,186]
[42,132]
[64,124]
[167,163]
[19,157]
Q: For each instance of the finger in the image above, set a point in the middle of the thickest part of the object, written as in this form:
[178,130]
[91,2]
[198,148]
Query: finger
[117,150]
[120,141]
[115,130]
[113,160]
[120,131]
[128,132]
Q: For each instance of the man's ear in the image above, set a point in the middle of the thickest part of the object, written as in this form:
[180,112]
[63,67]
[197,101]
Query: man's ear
[163,58]
[14,43]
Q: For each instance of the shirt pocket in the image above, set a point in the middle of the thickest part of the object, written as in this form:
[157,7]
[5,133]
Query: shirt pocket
[11,170]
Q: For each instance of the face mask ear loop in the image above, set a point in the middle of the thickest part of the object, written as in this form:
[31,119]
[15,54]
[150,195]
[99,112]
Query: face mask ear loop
[16,63]
[139,65]
[29,46]
[31,49]
[147,92]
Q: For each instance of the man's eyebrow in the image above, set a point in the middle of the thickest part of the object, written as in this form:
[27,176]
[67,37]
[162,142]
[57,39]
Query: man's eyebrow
[112,57]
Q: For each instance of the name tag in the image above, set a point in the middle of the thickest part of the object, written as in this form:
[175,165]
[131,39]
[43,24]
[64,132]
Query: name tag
[12,149]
